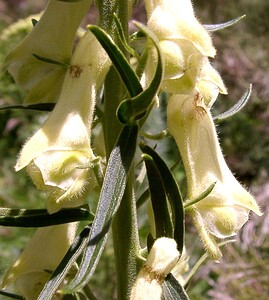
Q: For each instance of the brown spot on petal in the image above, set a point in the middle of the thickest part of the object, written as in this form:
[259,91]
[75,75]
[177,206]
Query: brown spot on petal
[75,71]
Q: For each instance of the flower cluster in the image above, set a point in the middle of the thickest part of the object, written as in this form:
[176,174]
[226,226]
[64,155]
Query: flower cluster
[195,85]
[59,156]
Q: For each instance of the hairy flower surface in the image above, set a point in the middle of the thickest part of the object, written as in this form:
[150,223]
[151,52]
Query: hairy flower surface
[184,43]
[52,38]
[39,259]
[162,257]
[58,157]
[226,209]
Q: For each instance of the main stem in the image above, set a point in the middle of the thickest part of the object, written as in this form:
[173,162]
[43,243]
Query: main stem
[124,227]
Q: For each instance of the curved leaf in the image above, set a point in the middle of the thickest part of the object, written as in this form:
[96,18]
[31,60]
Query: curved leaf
[236,108]
[215,27]
[126,72]
[135,108]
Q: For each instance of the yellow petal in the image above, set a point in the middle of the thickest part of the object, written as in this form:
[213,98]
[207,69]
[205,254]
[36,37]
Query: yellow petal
[162,257]
[52,38]
[225,210]
[173,20]
[42,254]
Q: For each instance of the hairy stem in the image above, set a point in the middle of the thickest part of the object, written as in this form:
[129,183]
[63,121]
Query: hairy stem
[124,227]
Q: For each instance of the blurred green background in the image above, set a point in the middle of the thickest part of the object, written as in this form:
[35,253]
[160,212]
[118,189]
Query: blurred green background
[242,58]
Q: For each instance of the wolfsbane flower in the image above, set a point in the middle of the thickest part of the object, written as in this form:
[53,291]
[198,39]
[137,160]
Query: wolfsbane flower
[184,43]
[59,155]
[39,259]
[51,38]
[226,209]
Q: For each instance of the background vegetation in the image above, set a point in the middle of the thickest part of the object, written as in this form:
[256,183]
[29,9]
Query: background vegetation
[243,58]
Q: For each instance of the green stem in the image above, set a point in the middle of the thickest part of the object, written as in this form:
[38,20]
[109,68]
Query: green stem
[126,244]
[124,227]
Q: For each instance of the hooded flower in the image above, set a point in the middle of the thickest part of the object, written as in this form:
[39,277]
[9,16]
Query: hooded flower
[39,259]
[226,209]
[51,39]
[184,43]
[58,157]
[162,257]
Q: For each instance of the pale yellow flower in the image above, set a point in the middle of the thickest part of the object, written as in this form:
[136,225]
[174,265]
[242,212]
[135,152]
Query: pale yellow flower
[39,259]
[51,38]
[184,43]
[58,157]
[162,257]
[226,209]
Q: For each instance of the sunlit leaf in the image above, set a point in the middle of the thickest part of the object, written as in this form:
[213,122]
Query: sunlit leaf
[118,167]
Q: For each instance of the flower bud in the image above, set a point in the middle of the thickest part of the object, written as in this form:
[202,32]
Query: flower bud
[162,257]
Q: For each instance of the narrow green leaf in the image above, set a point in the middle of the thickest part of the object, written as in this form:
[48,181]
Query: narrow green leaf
[135,108]
[39,106]
[50,61]
[158,136]
[237,107]
[41,218]
[69,259]
[204,194]
[173,195]
[118,167]
[11,296]
[143,198]
[215,27]
[122,37]
[122,65]
[172,290]
[163,223]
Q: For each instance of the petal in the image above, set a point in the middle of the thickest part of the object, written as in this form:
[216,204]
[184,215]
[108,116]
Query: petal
[207,238]
[224,221]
